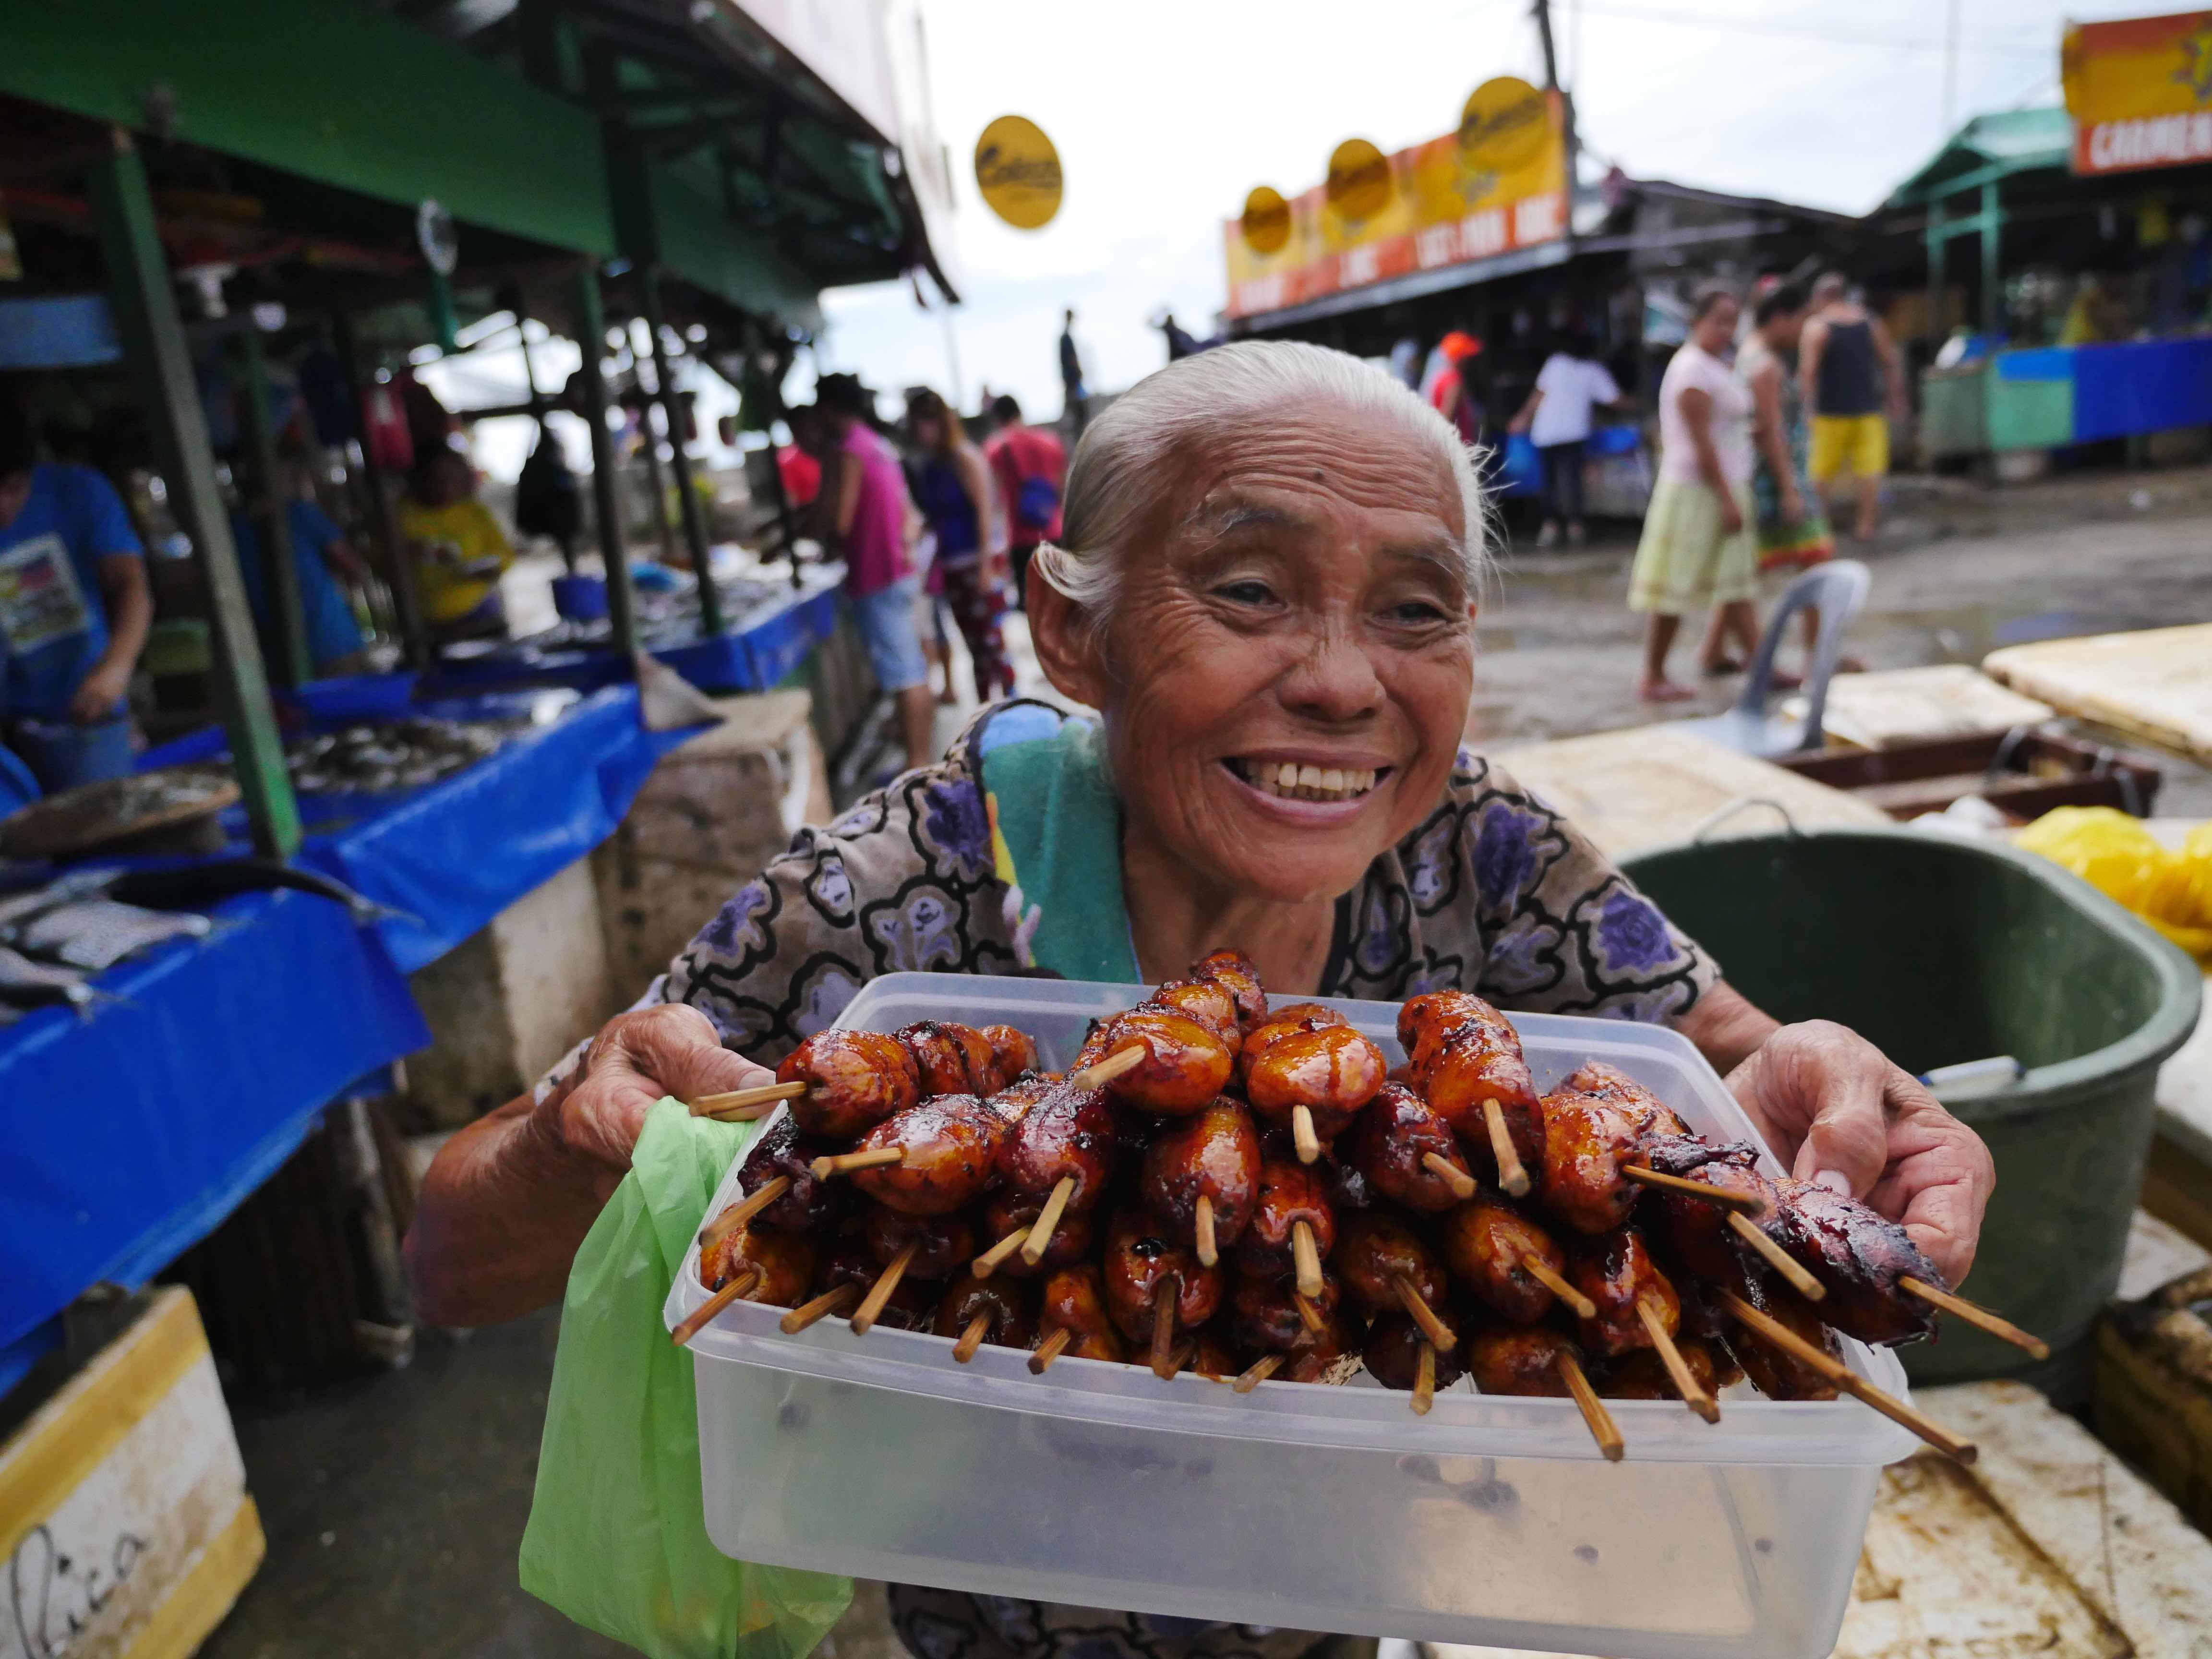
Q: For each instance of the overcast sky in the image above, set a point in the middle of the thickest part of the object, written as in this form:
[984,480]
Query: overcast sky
[1165,113]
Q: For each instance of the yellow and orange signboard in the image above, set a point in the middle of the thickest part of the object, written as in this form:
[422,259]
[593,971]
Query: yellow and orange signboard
[1485,190]
[2140,92]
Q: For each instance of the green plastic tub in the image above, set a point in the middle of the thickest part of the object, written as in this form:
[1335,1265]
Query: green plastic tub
[1944,950]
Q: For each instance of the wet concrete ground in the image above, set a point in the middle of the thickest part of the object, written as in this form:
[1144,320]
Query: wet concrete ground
[394,1506]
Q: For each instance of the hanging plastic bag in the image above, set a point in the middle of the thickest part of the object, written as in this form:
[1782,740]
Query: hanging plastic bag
[617,1537]
[2122,859]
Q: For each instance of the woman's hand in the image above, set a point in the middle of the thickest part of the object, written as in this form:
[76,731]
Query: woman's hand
[1834,1108]
[671,1048]
[1731,513]
[1793,505]
[508,1200]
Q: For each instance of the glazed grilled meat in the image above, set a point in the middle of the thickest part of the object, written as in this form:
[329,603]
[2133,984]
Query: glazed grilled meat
[1186,1063]
[1517,1360]
[855,1080]
[953,1060]
[1214,1155]
[944,1244]
[1074,1300]
[1142,1265]
[1392,1355]
[1071,1131]
[1859,1255]
[1487,1244]
[1462,1052]
[1233,971]
[1389,1145]
[950,1145]
[1290,1192]
[1329,1069]
[1011,1308]
[809,1205]
[1374,1252]
[1617,1272]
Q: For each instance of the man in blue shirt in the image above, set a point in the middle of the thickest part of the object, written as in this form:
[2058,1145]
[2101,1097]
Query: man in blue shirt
[75,607]
[319,553]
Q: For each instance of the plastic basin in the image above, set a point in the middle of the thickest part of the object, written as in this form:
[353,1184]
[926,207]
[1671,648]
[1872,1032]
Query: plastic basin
[354,696]
[1941,951]
[1492,1521]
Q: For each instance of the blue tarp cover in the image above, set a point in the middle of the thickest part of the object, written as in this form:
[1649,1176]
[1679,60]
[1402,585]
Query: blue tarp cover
[132,1132]
[454,853]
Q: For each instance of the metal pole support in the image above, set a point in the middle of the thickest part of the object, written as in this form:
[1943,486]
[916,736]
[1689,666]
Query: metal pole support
[671,410]
[153,337]
[270,509]
[592,333]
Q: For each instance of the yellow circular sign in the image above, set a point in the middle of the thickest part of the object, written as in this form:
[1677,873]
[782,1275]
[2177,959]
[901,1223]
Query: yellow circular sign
[1267,221]
[1504,123]
[1017,170]
[1359,180]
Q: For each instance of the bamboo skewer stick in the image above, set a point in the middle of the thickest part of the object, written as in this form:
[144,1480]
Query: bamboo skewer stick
[972,1338]
[1302,1134]
[1306,1257]
[1975,1314]
[1511,1174]
[1746,1203]
[1103,1072]
[1055,1340]
[1424,1382]
[703,1314]
[743,1212]
[1540,1270]
[1686,1384]
[1163,1324]
[808,1313]
[1308,1315]
[1260,1369]
[987,1263]
[1775,1257]
[879,1293]
[1033,1248]
[1828,1366]
[1439,1333]
[1209,1252]
[744,1105]
[1462,1183]
[1599,1421]
[837,1163]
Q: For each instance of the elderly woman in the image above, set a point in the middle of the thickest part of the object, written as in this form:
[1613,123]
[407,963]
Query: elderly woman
[1267,587]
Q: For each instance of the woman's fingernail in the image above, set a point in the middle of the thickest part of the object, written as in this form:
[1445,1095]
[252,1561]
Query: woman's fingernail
[1835,1180]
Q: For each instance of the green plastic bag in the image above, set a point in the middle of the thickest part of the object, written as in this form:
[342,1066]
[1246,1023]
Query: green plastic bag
[617,1538]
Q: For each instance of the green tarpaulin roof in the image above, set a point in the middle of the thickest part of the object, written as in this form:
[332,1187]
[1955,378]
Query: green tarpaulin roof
[2012,141]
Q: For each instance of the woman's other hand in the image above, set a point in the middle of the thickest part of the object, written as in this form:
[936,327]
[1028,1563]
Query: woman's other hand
[637,1057]
[1833,1107]
[1731,513]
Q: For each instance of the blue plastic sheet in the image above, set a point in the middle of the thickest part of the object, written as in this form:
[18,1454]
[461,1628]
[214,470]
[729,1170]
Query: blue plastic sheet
[452,854]
[2141,385]
[131,1134]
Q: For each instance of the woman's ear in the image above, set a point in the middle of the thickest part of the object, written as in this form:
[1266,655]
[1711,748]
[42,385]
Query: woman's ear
[1067,645]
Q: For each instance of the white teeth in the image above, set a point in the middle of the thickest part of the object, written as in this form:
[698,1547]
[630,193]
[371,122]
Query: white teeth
[1309,777]
[1286,776]
[1333,782]
[1297,782]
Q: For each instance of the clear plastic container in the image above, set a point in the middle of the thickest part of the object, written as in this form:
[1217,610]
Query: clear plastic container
[1492,1521]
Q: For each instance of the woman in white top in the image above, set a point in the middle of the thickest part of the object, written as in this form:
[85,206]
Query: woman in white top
[1698,549]
[1557,418]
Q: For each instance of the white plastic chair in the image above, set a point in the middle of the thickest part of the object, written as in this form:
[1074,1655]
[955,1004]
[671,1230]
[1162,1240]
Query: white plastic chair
[1839,589]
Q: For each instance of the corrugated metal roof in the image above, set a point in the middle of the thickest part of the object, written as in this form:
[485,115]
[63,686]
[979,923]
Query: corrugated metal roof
[2017,140]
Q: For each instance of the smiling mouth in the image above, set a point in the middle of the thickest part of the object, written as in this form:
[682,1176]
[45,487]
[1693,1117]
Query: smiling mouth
[1294,781]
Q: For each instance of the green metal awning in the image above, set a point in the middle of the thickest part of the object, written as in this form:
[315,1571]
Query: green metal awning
[1987,148]
[552,121]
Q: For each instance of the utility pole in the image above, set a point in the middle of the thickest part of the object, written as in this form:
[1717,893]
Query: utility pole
[1543,14]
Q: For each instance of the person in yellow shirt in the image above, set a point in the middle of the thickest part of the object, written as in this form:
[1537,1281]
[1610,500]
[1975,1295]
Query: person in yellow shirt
[458,547]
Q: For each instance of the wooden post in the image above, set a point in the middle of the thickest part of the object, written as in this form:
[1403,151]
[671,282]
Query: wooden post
[153,337]
[270,507]
[1938,239]
[413,631]
[592,337]
[1992,272]
[671,410]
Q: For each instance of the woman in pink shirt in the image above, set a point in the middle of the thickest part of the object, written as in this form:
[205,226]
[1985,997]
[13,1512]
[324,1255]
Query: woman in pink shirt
[865,515]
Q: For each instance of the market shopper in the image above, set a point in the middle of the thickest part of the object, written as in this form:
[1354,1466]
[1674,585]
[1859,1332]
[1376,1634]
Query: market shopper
[1029,464]
[1697,550]
[864,516]
[1851,365]
[74,610]
[1452,393]
[1792,530]
[1075,396]
[955,497]
[1271,557]
[458,548]
[320,557]
[1557,419]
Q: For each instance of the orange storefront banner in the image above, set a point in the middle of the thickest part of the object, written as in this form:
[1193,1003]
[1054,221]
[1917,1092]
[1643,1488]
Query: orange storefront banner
[2140,92]
[1444,209]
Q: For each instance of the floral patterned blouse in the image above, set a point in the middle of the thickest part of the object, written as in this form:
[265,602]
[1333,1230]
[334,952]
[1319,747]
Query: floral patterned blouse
[1004,858]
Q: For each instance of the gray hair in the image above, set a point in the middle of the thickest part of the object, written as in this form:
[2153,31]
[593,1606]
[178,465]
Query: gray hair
[1118,466]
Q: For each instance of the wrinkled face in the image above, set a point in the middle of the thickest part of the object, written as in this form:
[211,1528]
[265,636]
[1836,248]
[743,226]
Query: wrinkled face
[1286,678]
